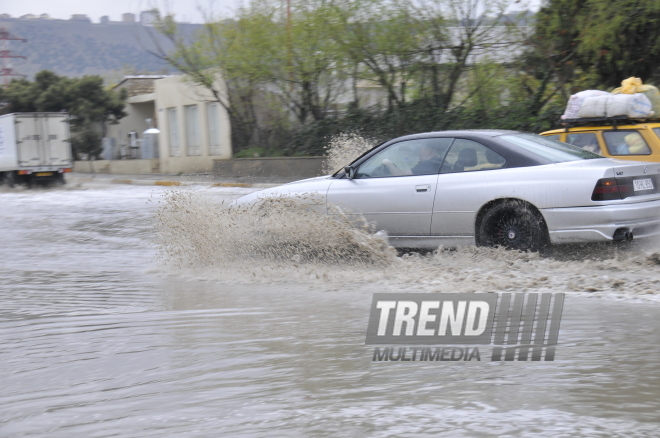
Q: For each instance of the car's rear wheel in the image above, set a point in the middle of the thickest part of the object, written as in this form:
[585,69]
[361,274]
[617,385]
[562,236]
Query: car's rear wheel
[513,225]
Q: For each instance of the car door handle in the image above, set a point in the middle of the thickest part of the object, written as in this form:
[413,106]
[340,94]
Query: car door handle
[423,188]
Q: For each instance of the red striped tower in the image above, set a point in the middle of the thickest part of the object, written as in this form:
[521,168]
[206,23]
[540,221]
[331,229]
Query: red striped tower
[7,71]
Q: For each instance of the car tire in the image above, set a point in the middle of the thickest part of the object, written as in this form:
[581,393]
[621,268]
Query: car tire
[514,225]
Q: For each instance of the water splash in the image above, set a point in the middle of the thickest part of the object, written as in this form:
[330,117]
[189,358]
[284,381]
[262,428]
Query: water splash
[345,148]
[197,233]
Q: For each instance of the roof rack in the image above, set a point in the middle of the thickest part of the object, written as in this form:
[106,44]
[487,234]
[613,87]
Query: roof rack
[600,121]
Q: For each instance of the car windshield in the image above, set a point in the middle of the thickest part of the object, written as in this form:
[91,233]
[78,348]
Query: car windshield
[552,150]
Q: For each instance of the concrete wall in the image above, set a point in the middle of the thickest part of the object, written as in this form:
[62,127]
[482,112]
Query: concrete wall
[175,92]
[279,167]
[124,167]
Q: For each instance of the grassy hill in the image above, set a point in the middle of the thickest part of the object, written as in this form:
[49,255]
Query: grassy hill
[73,48]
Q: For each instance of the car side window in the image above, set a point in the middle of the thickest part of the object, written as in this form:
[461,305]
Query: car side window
[467,156]
[410,157]
[554,137]
[625,142]
[587,141]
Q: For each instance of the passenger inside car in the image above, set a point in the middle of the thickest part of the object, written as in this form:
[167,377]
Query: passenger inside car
[586,141]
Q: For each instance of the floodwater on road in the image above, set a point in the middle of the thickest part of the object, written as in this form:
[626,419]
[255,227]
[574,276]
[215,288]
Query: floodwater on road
[108,328]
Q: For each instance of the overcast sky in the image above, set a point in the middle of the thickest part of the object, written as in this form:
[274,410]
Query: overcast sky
[185,10]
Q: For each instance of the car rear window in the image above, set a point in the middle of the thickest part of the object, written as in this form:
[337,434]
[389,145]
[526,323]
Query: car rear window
[551,150]
[622,142]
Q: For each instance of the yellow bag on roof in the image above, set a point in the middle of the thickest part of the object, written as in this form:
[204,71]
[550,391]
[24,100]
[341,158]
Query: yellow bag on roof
[648,90]
[654,96]
[629,86]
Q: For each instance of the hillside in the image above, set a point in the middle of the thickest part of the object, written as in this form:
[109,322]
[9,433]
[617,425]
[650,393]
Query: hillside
[73,48]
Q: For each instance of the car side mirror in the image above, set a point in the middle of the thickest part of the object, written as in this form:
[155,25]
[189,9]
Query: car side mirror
[350,171]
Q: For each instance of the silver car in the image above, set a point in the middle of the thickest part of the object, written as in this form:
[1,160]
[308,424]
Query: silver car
[489,188]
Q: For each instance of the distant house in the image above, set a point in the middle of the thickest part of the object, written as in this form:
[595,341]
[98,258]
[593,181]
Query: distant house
[194,128]
[28,17]
[44,17]
[80,17]
[104,20]
[5,17]
[128,17]
[148,18]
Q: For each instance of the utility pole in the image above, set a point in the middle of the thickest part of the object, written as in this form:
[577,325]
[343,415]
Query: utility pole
[7,71]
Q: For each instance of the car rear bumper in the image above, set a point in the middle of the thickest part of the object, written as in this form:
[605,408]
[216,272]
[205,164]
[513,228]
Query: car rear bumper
[598,224]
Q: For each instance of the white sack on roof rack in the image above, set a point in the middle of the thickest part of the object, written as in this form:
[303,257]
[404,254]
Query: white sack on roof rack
[635,106]
[594,106]
[576,100]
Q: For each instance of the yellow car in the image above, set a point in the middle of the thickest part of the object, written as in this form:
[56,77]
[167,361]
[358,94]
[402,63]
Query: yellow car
[626,141]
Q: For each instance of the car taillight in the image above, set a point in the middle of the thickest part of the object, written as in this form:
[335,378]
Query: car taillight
[605,190]
[610,188]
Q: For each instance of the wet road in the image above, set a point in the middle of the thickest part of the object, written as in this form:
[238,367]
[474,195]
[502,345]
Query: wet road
[98,339]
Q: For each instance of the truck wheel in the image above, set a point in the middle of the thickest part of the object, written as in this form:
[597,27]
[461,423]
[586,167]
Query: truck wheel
[514,226]
[59,180]
[10,180]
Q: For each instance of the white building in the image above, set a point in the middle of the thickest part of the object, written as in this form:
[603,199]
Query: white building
[80,17]
[149,18]
[194,128]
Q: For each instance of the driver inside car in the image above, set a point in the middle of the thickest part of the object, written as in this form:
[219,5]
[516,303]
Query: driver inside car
[428,164]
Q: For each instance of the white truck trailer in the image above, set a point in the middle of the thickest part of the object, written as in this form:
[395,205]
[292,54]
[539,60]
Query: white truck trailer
[34,147]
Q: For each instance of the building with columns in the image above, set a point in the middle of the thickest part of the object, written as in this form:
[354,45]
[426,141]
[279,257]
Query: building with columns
[194,128]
